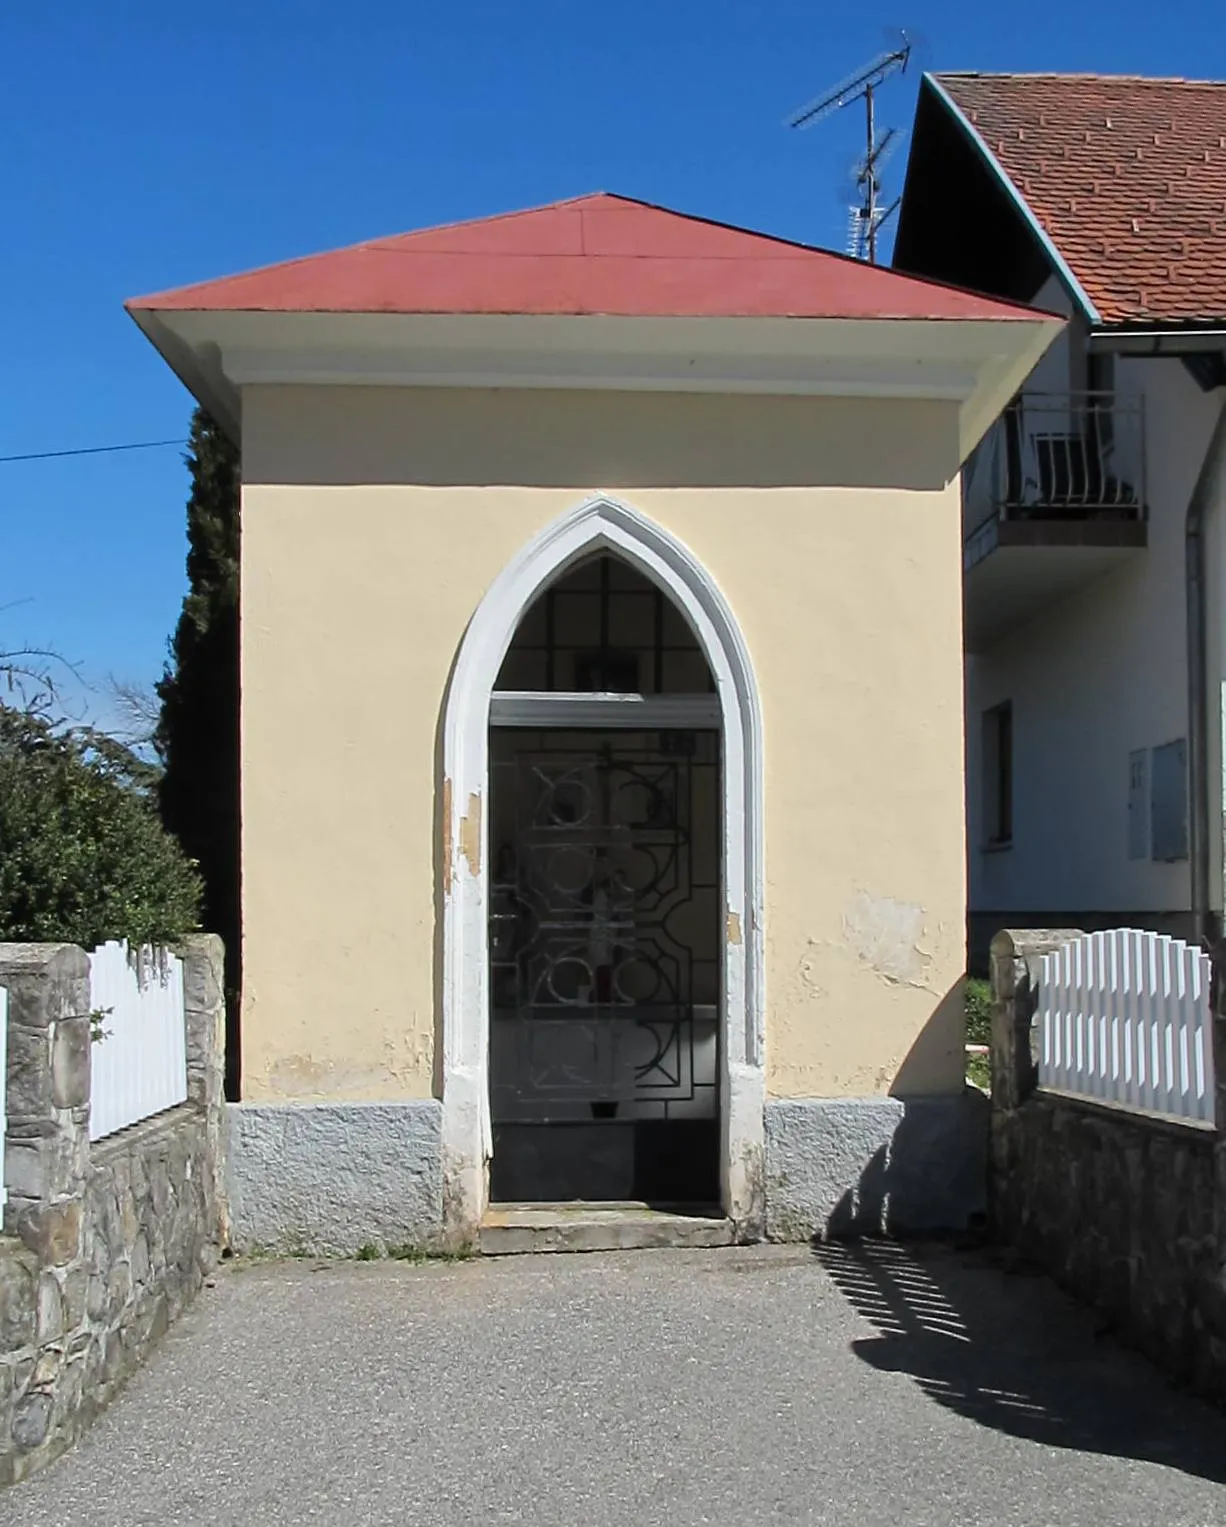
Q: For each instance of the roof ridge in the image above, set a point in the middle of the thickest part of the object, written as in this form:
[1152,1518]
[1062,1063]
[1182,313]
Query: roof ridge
[341,279]
[381,241]
[778,238]
[467,222]
[384,238]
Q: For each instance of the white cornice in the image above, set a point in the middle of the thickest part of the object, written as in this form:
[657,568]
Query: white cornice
[975,363]
[898,376]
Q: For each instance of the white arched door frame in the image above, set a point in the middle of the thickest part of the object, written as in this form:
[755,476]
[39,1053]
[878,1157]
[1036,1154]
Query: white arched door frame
[601,523]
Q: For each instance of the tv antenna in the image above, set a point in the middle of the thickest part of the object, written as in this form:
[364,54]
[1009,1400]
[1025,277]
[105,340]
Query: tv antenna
[867,216]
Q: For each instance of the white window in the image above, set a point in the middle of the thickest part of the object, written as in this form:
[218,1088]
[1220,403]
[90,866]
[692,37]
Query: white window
[1169,802]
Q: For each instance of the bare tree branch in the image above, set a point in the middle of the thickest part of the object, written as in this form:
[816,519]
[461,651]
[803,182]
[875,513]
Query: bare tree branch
[31,675]
[137,709]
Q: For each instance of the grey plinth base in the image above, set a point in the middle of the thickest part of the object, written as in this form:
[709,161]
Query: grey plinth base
[838,1166]
[333,1177]
[509,1229]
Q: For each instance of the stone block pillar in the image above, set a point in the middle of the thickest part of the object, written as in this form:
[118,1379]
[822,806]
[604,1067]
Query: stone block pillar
[47,1145]
[1015,969]
[46,1166]
[1015,956]
[203,956]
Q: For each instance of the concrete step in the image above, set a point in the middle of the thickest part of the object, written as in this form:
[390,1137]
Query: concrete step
[509,1229]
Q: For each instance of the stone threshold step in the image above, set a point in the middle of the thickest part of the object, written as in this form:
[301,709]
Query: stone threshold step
[510,1229]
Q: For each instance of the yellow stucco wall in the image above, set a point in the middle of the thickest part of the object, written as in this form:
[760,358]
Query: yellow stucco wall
[373,522]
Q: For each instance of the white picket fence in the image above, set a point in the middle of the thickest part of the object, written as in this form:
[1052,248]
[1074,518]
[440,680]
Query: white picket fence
[1124,1018]
[139,1065]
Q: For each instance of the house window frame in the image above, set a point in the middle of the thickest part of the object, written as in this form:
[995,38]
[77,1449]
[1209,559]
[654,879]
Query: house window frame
[997,777]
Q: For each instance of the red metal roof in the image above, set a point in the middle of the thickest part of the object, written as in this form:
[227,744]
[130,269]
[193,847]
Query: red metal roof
[1126,176]
[596,254]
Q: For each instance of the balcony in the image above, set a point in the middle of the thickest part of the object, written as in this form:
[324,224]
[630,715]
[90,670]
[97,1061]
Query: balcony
[1053,498]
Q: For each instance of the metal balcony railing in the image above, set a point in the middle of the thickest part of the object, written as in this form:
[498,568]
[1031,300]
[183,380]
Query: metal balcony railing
[1060,456]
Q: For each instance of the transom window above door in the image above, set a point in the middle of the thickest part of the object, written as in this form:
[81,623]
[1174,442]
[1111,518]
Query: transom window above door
[605,628]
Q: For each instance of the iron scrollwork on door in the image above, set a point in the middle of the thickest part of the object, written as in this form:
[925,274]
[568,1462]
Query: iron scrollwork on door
[604,975]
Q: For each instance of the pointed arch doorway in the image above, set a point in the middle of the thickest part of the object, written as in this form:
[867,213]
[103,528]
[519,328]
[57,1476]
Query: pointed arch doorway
[602,1002]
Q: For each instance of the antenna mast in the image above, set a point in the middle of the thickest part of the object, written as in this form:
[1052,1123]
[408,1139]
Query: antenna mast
[869,216]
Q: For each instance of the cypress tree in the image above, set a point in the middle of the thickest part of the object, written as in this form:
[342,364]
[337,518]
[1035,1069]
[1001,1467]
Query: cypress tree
[197,737]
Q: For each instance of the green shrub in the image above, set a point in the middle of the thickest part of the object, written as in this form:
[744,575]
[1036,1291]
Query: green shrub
[83,855]
[978,998]
[978,1012]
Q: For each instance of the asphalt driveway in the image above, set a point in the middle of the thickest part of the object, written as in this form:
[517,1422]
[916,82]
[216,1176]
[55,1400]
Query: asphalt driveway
[871,1386]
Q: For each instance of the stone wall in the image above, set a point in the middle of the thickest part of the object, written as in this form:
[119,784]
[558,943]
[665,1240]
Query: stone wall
[1124,1209]
[103,1245]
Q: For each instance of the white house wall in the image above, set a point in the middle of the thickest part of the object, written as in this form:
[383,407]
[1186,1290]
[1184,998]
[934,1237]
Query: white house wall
[1056,371]
[1091,679]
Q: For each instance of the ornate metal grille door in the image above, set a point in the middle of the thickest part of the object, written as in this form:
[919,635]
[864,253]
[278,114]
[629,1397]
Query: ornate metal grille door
[604,927]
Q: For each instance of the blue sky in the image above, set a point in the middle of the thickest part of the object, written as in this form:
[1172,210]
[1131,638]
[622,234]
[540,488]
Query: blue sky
[143,147]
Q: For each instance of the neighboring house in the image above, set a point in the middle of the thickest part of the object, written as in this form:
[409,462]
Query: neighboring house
[1093,549]
[602,808]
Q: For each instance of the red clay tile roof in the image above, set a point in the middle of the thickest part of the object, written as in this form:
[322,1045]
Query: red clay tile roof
[595,254]
[1126,176]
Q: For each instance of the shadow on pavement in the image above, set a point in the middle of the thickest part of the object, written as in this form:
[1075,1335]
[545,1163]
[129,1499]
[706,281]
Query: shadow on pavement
[1012,1353]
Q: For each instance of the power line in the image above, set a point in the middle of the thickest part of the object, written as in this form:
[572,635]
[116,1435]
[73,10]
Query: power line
[92,450]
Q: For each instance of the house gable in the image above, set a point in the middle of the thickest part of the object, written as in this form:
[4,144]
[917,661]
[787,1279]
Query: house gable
[958,221]
[1120,180]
